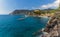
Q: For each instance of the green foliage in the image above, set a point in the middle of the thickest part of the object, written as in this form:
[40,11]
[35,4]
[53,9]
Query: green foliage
[38,12]
[52,11]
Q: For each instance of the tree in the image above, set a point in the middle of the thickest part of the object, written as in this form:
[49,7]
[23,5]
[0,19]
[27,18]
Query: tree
[38,12]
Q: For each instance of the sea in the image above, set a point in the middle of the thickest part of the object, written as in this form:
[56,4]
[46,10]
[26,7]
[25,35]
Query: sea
[10,26]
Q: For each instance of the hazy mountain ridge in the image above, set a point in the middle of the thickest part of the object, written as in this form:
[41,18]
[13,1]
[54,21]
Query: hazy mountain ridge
[16,12]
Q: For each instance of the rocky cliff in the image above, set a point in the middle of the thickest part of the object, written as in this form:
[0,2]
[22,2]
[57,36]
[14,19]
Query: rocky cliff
[52,29]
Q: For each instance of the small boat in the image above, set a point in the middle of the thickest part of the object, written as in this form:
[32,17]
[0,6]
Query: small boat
[26,15]
[20,18]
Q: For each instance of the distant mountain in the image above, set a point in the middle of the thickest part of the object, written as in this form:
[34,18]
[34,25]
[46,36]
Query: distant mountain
[17,12]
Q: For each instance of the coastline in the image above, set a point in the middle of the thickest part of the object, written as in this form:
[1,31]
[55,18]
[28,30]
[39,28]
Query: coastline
[55,29]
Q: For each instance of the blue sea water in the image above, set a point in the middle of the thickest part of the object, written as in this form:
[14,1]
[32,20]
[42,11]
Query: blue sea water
[11,27]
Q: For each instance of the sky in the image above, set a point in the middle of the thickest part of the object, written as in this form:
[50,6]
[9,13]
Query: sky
[8,6]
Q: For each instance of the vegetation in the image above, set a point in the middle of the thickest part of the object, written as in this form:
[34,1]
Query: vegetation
[39,12]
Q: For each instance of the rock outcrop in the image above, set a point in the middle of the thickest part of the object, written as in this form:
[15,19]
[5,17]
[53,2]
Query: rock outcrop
[52,28]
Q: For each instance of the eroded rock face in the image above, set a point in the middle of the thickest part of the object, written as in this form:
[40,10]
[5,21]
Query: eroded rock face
[54,32]
[52,28]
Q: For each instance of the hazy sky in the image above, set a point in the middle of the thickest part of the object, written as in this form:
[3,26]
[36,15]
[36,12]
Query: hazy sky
[7,6]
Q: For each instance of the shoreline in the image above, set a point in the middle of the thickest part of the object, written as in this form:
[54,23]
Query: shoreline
[55,30]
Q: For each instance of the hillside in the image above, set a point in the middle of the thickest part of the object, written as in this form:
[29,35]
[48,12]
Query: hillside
[17,12]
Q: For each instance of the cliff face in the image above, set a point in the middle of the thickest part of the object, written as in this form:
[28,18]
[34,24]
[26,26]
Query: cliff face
[53,28]
[17,12]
